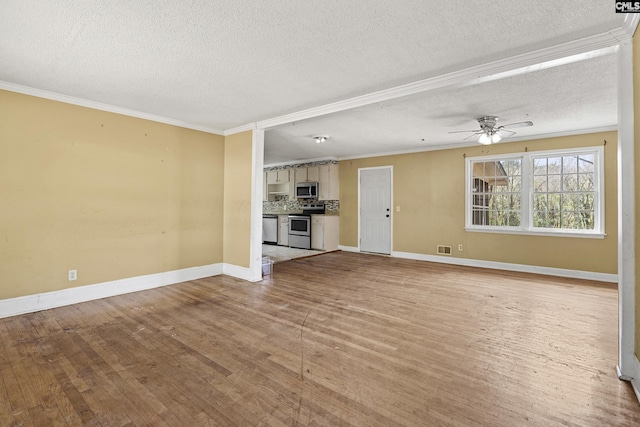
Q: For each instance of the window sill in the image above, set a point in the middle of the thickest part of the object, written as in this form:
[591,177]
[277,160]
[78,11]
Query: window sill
[538,233]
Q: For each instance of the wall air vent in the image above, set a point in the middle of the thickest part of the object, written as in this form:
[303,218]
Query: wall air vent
[444,250]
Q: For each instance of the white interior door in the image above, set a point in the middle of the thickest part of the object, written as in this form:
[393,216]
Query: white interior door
[375,210]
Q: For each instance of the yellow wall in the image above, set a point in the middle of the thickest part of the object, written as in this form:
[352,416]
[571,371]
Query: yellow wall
[237,199]
[111,196]
[429,187]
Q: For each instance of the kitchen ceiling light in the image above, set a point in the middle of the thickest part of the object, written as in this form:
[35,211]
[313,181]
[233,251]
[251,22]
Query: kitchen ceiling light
[320,138]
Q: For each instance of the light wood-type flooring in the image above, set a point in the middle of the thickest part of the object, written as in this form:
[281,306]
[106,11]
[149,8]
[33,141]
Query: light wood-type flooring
[336,339]
[285,253]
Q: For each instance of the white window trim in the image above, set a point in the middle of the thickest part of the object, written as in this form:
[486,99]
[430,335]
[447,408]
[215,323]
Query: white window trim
[525,227]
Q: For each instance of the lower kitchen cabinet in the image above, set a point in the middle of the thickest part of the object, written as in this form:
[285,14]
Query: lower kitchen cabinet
[325,232]
[283,230]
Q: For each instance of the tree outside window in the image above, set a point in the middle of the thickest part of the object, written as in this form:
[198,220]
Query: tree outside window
[555,191]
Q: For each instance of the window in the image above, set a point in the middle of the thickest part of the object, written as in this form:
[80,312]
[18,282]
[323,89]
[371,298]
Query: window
[540,192]
[496,193]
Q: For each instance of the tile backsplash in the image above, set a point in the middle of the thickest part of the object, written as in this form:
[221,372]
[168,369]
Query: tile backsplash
[283,204]
[300,165]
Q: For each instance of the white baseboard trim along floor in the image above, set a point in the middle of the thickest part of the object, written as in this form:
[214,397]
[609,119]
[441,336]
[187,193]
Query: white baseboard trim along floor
[521,268]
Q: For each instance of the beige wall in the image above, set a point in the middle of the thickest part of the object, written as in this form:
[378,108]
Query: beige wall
[429,187]
[111,196]
[237,199]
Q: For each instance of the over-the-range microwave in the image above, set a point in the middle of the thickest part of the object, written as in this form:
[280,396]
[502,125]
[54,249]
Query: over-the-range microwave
[307,190]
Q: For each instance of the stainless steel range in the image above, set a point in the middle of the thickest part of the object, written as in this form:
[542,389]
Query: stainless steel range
[300,225]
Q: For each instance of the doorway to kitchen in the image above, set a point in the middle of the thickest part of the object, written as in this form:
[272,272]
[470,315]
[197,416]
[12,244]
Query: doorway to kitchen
[374,209]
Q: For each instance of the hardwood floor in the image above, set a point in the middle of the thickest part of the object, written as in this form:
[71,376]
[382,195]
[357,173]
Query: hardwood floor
[336,339]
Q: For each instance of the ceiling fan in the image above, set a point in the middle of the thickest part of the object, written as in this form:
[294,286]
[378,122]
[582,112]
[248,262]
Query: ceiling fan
[489,133]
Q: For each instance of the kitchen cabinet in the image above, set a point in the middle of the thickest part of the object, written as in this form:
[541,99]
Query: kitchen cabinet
[329,182]
[312,174]
[278,176]
[308,174]
[283,230]
[300,175]
[325,232]
[277,183]
[292,186]
[265,191]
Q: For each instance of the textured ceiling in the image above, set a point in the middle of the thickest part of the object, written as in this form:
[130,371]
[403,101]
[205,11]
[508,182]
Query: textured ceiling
[223,64]
[554,99]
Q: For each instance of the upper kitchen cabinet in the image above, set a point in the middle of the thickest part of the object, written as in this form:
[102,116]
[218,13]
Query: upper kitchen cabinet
[278,183]
[313,174]
[308,174]
[300,175]
[329,182]
[278,176]
[265,187]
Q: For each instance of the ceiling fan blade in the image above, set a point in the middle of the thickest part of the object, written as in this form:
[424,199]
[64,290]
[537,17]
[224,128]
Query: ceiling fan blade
[462,131]
[472,136]
[517,125]
[505,132]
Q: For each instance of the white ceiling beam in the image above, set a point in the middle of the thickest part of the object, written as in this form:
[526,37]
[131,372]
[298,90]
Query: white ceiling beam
[565,53]
[630,23]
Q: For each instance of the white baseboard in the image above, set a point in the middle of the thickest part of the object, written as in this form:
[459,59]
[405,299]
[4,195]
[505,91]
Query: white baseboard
[44,301]
[560,272]
[241,273]
[635,381]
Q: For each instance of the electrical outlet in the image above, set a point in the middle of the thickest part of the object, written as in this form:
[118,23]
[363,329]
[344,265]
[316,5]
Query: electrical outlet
[72,275]
[460,247]
[397,208]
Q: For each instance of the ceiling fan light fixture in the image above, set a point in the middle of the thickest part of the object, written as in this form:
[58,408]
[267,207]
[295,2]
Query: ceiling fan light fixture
[489,133]
[320,138]
[484,139]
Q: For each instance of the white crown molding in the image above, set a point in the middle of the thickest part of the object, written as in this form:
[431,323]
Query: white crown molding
[475,143]
[565,53]
[26,90]
[239,129]
[613,128]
